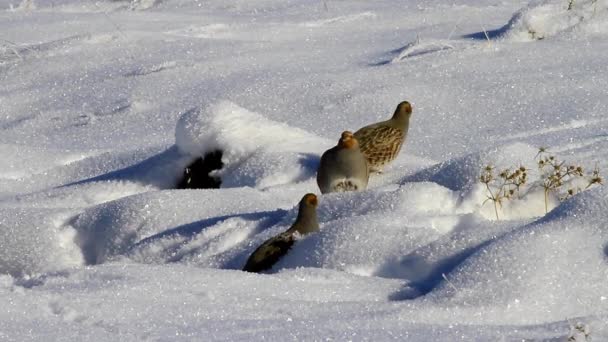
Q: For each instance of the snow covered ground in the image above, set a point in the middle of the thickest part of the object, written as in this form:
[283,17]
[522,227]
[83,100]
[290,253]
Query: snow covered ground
[103,104]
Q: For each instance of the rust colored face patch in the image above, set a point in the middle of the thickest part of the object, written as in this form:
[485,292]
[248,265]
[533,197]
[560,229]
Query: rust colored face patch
[311,199]
[348,142]
[346,134]
[405,107]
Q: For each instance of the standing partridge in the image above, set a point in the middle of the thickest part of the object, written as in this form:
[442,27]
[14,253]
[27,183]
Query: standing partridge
[381,142]
[265,256]
[343,167]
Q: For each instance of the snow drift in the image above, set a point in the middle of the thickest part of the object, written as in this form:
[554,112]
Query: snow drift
[96,244]
[256,151]
[548,18]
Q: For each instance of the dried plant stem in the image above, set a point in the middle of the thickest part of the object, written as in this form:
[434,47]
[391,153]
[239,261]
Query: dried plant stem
[494,200]
[555,177]
[546,200]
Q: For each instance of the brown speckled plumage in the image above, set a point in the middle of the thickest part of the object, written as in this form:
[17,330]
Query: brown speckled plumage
[381,142]
[273,249]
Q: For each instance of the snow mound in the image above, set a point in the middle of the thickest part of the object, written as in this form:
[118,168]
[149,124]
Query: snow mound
[35,241]
[49,168]
[220,228]
[264,169]
[175,225]
[257,152]
[544,19]
[462,173]
[590,205]
[545,271]
[22,161]
[238,133]
[383,224]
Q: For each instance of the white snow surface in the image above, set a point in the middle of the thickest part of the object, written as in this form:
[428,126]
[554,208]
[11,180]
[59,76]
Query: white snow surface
[103,104]
[544,19]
